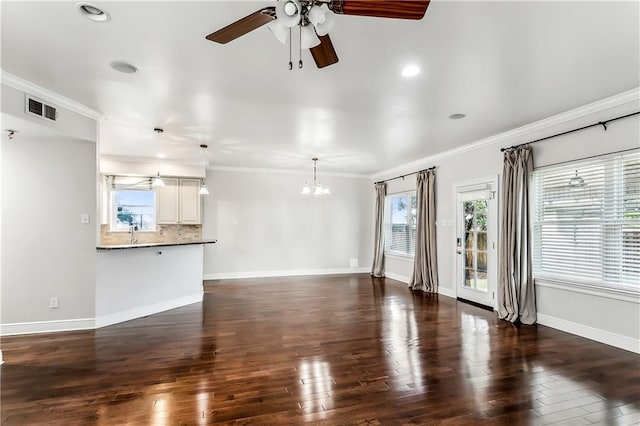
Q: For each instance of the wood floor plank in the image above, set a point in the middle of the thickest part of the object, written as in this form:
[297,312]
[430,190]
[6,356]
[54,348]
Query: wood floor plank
[344,349]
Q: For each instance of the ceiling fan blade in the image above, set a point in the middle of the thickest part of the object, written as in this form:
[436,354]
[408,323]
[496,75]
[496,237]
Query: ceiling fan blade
[324,54]
[244,25]
[400,9]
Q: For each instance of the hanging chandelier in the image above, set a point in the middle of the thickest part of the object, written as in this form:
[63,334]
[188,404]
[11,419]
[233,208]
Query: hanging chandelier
[317,188]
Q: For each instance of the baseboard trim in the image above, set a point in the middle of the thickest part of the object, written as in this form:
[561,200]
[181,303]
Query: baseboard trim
[397,277]
[613,339]
[143,311]
[35,327]
[448,292]
[445,291]
[285,273]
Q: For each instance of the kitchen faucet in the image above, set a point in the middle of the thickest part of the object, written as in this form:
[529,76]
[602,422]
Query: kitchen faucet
[132,229]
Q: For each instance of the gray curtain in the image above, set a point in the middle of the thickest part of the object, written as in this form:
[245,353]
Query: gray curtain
[377,270]
[516,292]
[425,266]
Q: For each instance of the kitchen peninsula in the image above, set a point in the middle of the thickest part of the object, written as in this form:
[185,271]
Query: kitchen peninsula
[136,280]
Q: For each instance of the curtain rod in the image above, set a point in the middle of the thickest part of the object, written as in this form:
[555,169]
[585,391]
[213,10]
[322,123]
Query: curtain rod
[599,123]
[408,174]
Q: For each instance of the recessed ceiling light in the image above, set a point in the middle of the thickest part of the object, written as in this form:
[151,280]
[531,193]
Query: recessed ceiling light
[457,116]
[93,12]
[161,155]
[124,67]
[410,71]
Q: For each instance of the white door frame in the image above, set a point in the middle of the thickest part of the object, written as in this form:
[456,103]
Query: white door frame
[492,242]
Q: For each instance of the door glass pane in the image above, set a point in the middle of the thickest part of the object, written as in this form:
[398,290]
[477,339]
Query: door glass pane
[482,241]
[468,240]
[469,256]
[475,244]
[481,281]
[482,261]
[469,278]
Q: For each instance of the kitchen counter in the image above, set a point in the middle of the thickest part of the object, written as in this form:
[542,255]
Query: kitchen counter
[145,245]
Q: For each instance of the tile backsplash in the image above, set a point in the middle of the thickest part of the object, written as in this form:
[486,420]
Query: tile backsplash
[165,234]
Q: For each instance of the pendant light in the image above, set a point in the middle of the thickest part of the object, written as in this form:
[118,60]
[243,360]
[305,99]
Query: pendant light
[157,181]
[203,188]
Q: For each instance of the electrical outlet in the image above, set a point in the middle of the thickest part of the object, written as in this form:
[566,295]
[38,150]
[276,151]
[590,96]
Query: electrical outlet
[353,263]
[84,218]
[53,303]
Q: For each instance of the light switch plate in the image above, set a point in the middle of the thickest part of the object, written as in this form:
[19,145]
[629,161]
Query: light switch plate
[84,218]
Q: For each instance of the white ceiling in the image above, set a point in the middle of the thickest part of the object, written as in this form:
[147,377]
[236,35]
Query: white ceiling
[504,64]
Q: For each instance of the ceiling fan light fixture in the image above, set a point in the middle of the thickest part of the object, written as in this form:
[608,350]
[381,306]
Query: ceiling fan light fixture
[288,12]
[279,31]
[323,28]
[317,15]
[308,37]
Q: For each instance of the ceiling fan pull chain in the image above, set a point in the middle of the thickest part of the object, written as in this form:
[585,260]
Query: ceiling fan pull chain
[290,61]
[300,48]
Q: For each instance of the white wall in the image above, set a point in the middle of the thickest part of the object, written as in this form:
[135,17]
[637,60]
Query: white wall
[264,226]
[597,317]
[132,283]
[48,183]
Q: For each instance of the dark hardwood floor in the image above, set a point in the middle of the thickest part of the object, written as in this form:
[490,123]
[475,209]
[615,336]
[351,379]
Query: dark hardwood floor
[330,350]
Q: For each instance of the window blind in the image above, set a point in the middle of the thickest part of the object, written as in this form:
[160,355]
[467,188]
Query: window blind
[586,221]
[400,223]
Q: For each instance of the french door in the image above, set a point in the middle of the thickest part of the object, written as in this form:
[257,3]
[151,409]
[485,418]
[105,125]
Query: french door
[476,248]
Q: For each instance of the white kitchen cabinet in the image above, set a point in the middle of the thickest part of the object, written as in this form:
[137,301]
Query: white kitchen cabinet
[189,201]
[178,201]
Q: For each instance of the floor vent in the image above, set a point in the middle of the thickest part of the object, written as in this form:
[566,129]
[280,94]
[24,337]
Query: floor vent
[38,108]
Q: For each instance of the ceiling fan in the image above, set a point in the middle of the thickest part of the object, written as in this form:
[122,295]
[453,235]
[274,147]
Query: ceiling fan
[315,19]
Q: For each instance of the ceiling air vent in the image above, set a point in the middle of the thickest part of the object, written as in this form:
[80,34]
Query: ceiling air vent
[38,108]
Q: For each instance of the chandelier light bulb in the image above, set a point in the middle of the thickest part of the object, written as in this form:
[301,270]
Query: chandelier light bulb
[305,189]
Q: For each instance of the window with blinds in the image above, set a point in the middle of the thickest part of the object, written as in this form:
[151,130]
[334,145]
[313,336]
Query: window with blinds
[586,221]
[400,222]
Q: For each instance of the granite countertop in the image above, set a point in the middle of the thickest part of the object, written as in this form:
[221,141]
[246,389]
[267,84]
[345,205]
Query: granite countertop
[146,245]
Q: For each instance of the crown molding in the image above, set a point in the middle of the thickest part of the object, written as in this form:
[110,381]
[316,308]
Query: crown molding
[152,160]
[283,171]
[48,95]
[506,138]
